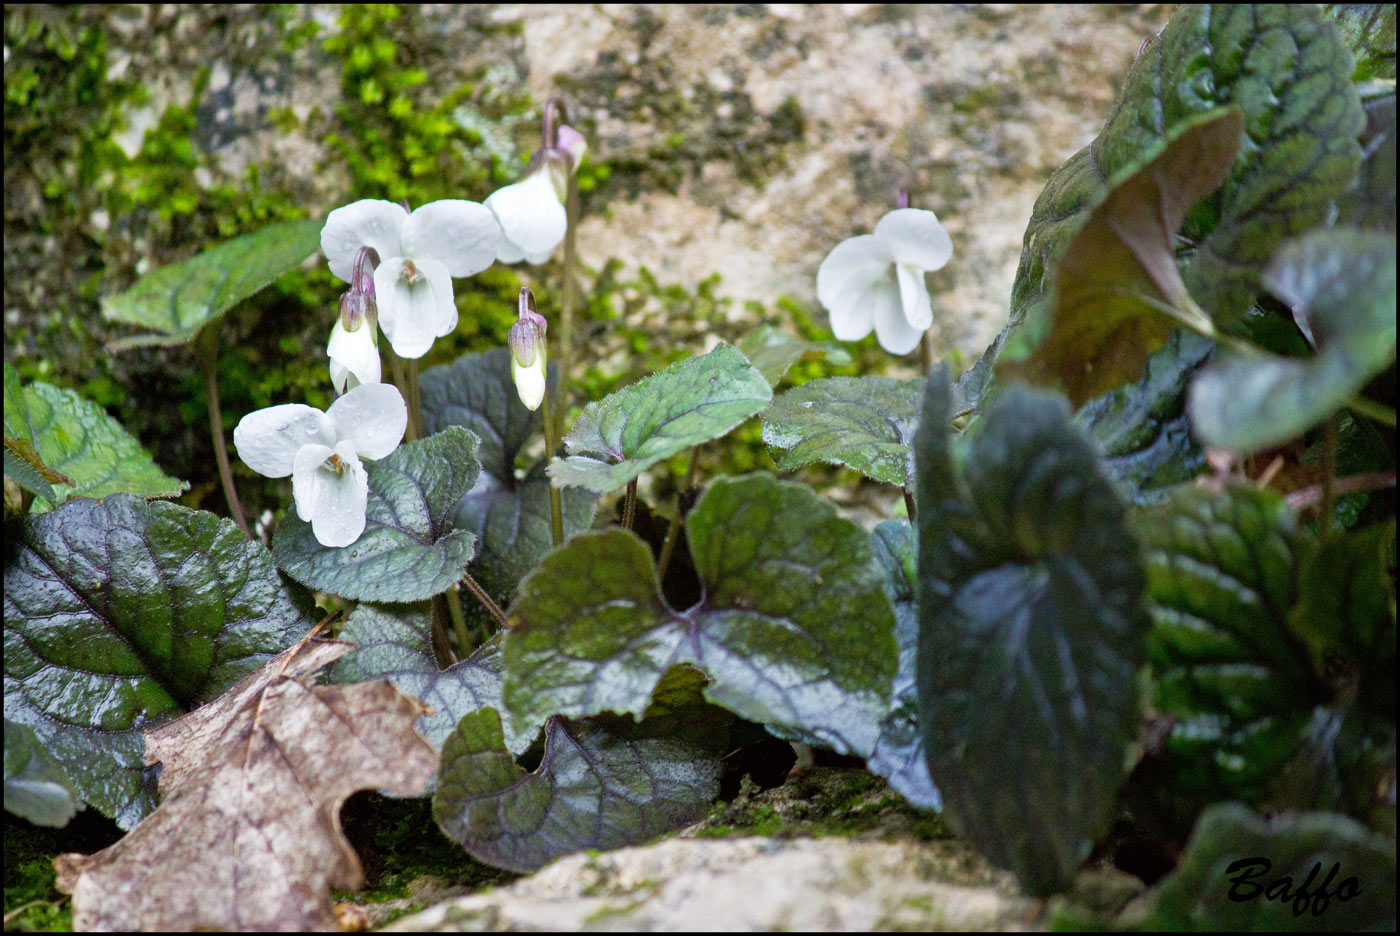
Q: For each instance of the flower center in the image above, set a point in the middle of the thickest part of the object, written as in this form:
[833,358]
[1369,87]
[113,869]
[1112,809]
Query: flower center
[411,273]
[334,464]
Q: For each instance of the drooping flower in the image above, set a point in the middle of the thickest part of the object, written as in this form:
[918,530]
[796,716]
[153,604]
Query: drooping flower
[528,352]
[322,452]
[354,344]
[877,280]
[531,212]
[419,254]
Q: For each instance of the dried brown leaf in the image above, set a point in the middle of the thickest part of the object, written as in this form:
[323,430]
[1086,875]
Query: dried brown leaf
[247,835]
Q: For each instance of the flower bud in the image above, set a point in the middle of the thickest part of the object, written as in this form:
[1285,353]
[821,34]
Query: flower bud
[572,144]
[528,354]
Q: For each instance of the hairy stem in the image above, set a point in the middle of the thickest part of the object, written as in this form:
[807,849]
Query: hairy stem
[629,510]
[556,509]
[415,407]
[1377,412]
[459,624]
[909,503]
[566,310]
[673,531]
[480,593]
[207,349]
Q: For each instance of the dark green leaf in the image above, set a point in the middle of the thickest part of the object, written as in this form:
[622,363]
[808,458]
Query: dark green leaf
[1341,285]
[773,351]
[394,642]
[176,301]
[1369,31]
[121,614]
[899,751]
[1142,429]
[78,438]
[1118,276]
[1032,627]
[794,630]
[409,550]
[508,514]
[690,402]
[592,790]
[36,788]
[1222,884]
[866,423]
[1371,203]
[1289,74]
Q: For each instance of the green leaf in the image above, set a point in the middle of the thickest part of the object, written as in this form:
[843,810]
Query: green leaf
[1289,74]
[1118,276]
[123,613]
[394,642]
[1032,628]
[16,409]
[591,790]
[509,515]
[794,630]
[26,475]
[176,301]
[1142,429]
[409,550]
[1371,203]
[690,402]
[36,788]
[865,423]
[77,438]
[1341,285]
[1225,881]
[899,751]
[1369,31]
[773,351]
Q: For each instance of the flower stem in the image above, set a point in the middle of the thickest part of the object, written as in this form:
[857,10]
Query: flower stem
[459,623]
[909,504]
[556,510]
[207,349]
[415,407]
[566,311]
[629,512]
[480,593]
[1377,412]
[673,531]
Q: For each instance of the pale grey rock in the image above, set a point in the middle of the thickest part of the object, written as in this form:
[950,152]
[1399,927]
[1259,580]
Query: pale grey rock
[743,885]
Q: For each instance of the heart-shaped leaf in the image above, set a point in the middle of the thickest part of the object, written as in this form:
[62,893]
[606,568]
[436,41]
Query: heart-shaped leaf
[1289,74]
[1258,636]
[1341,285]
[865,423]
[773,351]
[176,301]
[1229,877]
[394,642]
[1142,429]
[1032,628]
[78,439]
[409,550]
[36,788]
[1118,276]
[795,630]
[591,790]
[121,614]
[509,515]
[690,402]
[899,751]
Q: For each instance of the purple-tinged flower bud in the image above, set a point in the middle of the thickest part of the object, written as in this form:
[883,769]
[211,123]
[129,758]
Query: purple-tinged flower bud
[528,352]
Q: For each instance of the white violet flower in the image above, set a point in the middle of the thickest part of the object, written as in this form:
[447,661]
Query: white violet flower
[531,212]
[419,253]
[877,280]
[528,352]
[322,452]
[354,345]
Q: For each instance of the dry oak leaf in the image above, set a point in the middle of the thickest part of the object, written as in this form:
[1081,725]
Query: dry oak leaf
[247,835]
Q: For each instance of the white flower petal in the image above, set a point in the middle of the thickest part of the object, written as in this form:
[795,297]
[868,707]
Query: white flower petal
[892,329]
[373,416]
[369,222]
[507,251]
[532,218]
[461,235]
[861,259]
[338,498]
[268,440]
[304,478]
[408,308]
[914,297]
[354,356]
[444,303]
[529,382]
[915,237]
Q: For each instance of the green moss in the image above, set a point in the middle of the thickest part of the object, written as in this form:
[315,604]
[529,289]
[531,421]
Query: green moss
[29,873]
